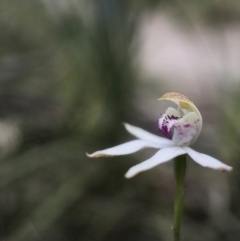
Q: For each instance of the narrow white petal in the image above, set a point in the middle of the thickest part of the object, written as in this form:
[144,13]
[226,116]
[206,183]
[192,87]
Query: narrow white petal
[207,161]
[123,149]
[145,135]
[163,155]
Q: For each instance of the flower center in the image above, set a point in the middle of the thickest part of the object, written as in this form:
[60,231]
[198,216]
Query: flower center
[180,129]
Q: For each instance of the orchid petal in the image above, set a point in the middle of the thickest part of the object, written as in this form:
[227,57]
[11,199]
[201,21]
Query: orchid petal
[147,136]
[123,149]
[207,161]
[163,155]
[185,129]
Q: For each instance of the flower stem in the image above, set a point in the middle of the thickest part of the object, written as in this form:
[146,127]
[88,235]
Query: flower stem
[180,166]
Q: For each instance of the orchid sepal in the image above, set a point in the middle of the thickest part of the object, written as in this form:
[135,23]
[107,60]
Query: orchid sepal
[168,150]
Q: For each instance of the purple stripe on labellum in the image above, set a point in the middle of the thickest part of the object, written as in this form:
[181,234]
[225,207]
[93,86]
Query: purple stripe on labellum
[172,117]
[165,124]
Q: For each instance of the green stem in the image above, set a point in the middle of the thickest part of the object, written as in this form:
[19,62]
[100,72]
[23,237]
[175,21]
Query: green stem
[180,166]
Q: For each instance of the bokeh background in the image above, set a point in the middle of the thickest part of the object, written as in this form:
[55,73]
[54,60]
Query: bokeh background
[71,71]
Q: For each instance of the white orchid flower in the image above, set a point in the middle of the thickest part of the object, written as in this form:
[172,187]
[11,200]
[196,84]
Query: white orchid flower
[181,126]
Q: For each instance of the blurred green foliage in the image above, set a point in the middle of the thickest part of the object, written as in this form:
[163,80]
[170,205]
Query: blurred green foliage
[67,81]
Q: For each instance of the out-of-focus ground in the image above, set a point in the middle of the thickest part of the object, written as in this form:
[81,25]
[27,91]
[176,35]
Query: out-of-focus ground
[71,71]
